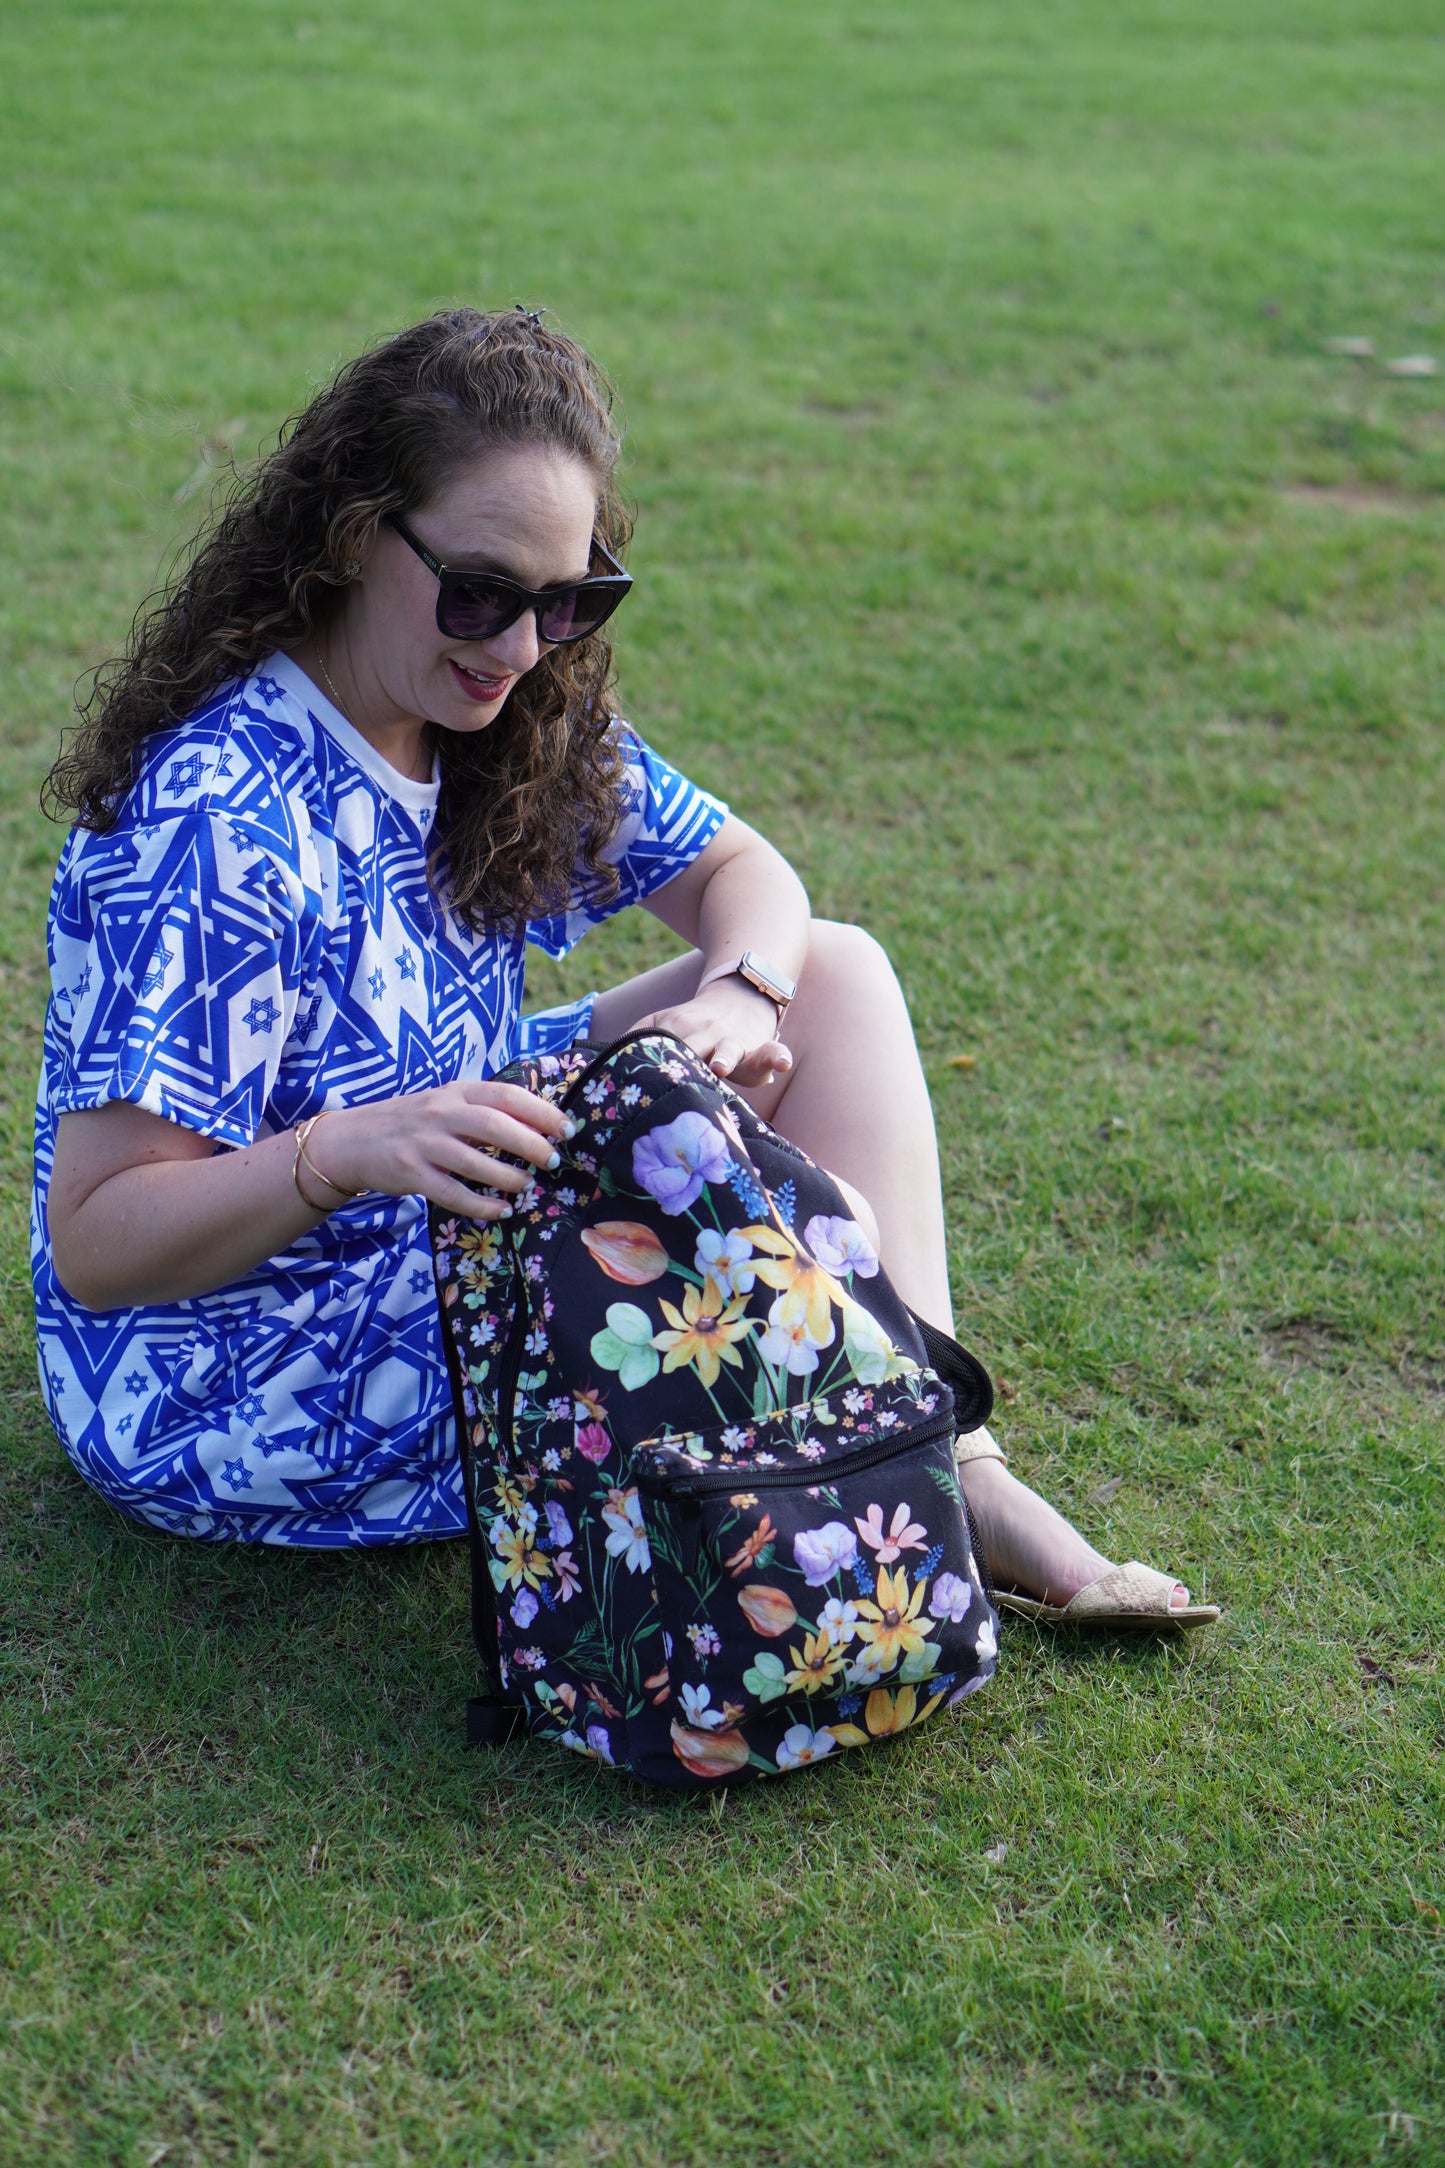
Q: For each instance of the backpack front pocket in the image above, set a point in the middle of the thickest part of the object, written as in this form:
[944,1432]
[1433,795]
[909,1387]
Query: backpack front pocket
[812,1607]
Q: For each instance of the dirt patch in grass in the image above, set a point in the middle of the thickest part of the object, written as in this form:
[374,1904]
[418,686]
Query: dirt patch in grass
[1306,1343]
[1355,497]
[1424,1375]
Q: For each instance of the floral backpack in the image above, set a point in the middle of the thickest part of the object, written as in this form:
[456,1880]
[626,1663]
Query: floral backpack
[717,1527]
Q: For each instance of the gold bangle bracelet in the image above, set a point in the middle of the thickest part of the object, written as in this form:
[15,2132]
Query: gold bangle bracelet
[302,1158]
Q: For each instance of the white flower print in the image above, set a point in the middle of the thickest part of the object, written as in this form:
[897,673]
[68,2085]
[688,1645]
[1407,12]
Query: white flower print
[700,1713]
[788,1341]
[839,1621]
[627,1538]
[867,1669]
[727,1260]
[802,1745]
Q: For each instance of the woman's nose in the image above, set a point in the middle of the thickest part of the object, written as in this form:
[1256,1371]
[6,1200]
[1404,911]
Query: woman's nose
[517,648]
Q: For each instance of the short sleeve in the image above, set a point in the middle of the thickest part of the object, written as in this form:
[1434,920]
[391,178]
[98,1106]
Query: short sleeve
[174,954]
[667,822]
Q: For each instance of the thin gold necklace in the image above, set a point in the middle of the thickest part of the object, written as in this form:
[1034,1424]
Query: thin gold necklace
[331,687]
[336,697]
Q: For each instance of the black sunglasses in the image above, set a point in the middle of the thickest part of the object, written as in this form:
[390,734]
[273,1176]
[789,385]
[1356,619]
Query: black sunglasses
[477,605]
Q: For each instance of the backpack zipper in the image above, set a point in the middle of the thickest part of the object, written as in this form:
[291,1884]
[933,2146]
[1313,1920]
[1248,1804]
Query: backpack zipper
[605,1054]
[511,1368]
[692,1487]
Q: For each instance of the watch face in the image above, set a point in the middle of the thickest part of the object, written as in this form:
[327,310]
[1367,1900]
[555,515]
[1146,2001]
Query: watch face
[767,981]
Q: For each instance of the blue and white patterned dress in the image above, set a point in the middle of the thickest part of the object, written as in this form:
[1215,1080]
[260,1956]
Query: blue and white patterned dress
[253,941]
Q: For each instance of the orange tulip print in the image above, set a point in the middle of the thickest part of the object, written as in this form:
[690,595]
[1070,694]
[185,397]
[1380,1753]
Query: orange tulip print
[626,1251]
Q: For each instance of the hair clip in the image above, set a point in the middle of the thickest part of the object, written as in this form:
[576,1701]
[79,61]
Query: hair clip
[533,316]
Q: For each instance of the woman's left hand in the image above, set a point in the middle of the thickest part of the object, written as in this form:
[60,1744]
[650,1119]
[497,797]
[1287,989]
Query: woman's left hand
[732,1027]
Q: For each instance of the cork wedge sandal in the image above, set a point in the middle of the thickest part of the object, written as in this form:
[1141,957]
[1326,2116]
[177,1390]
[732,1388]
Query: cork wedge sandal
[1132,1597]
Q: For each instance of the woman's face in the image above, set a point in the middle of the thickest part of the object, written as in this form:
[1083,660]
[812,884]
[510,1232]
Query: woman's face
[526,511]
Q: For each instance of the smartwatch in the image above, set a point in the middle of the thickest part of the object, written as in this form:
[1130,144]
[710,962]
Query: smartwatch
[758,973]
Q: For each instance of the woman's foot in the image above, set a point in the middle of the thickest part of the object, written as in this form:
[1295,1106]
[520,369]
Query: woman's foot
[1030,1547]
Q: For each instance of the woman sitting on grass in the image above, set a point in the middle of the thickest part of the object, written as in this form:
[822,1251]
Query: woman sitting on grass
[360,754]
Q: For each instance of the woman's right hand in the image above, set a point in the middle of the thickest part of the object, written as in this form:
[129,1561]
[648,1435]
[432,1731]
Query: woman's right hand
[441,1145]
[142,1210]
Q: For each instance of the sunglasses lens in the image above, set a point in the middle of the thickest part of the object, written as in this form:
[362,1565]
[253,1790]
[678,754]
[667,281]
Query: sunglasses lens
[580,611]
[475,609]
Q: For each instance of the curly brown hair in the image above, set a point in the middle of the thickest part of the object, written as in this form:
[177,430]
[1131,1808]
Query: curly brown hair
[527,806]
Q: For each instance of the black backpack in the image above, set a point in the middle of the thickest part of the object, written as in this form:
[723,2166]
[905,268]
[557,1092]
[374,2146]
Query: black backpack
[717,1528]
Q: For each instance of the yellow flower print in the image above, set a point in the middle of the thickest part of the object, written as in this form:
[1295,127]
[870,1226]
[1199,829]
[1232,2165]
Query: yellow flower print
[817,1667]
[510,1491]
[479,1247]
[518,1559]
[809,1294]
[704,1333]
[885,1714]
[891,1625]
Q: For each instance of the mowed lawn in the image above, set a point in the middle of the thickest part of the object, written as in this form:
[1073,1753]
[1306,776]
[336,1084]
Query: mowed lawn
[1014,550]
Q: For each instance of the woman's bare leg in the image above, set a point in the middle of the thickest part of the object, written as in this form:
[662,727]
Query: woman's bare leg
[856,1100]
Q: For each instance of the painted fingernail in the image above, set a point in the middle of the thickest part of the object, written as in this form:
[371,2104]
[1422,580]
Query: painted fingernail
[505,1213]
[573,1125]
[554,1161]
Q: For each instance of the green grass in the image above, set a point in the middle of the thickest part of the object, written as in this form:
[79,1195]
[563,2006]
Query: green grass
[1015,554]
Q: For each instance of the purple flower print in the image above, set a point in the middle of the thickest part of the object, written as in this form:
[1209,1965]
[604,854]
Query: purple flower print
[822,1552]
[951,1598]
[840,1246]
[672,1163]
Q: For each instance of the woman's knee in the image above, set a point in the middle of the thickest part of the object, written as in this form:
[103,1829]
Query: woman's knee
[846,963]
